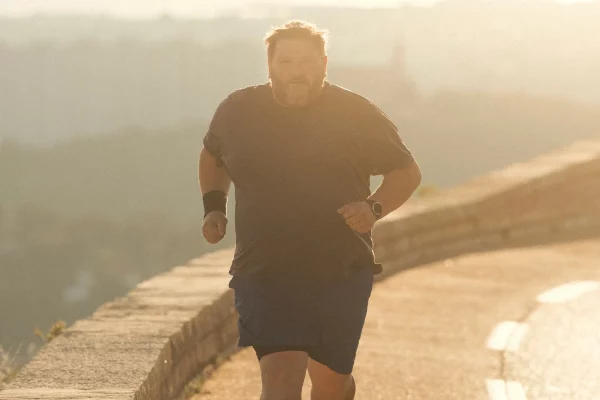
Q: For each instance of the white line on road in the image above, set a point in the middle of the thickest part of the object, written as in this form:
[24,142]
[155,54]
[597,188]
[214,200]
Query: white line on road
[502,390]
[567,292]
[516,337]
[496,389]
[507,336]
[515,391]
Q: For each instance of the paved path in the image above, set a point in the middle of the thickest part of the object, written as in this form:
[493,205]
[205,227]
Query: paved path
[473,327]
[559,356]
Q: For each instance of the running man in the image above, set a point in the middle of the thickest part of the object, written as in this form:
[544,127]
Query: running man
[300,152]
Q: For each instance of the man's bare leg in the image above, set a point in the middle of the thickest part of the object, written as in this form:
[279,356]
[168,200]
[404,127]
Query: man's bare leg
[328,384]
[283,375]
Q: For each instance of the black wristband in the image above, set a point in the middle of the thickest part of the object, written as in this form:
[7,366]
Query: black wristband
[215,200]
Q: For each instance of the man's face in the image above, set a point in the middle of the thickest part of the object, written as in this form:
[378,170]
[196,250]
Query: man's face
[297,71]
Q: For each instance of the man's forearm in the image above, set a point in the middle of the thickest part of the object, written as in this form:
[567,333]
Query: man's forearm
[397,187]
[212,176]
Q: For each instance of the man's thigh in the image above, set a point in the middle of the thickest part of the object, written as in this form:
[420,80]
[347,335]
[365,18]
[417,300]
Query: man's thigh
[271,317]
[342,314]
[283,374]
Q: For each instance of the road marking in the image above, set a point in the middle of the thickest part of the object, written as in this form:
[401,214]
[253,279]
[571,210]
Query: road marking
[502,390]
[507,336]
[516,337]
[496,389]
[567,292]
[515,391]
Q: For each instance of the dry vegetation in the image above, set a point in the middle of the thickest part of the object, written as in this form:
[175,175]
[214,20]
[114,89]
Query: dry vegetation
[9,364]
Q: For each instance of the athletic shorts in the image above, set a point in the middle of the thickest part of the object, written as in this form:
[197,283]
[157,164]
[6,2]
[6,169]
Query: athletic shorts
[323,319]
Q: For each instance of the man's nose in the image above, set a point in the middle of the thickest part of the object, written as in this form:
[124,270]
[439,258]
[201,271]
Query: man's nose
[298,69]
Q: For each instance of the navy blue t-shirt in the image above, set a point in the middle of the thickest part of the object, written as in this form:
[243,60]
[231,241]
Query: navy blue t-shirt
[292,168]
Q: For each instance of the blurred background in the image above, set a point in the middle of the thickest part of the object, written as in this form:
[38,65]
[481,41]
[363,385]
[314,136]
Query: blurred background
[104,104]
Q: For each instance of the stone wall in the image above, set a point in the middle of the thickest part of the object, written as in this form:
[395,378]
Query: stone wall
[549,198]
[151,342]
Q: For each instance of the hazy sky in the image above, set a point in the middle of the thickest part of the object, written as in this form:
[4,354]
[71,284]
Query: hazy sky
[184,8]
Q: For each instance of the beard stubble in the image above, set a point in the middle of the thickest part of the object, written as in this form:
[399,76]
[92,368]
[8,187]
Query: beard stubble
[297,92]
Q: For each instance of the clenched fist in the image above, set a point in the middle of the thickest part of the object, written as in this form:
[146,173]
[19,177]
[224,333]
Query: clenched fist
[214,226]
[358,216]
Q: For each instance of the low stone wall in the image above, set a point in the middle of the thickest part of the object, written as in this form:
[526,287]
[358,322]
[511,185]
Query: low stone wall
[150,343]
[548,198]
[146,345]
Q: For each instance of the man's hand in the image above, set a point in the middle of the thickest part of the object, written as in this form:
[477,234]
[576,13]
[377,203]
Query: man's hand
[358,216]
[214,226]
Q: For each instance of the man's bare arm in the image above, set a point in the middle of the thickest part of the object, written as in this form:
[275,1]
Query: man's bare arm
[212,176]
[397,187]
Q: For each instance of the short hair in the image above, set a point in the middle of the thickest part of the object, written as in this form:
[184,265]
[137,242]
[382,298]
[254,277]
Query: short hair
[296,30]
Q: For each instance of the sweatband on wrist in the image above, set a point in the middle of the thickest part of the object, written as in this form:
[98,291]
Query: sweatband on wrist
[215,200]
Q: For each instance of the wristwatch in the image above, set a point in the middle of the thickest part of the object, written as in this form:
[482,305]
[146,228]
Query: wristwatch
[376,207]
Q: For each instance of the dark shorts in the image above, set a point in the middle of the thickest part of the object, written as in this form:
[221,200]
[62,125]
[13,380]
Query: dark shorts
[323,319]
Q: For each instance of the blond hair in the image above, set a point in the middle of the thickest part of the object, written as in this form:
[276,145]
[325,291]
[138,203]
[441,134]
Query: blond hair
[296,30]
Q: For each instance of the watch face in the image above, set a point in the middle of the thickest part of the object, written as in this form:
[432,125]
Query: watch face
[377,208]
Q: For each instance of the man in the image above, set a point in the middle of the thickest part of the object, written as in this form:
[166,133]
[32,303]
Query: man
[300,152]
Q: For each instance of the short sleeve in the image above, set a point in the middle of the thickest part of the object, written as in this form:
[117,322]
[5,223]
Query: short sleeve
[383,148]
[218,125]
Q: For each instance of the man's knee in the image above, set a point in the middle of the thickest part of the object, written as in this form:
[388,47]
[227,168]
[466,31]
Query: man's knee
[351,390]
[283,375]
[334,389]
